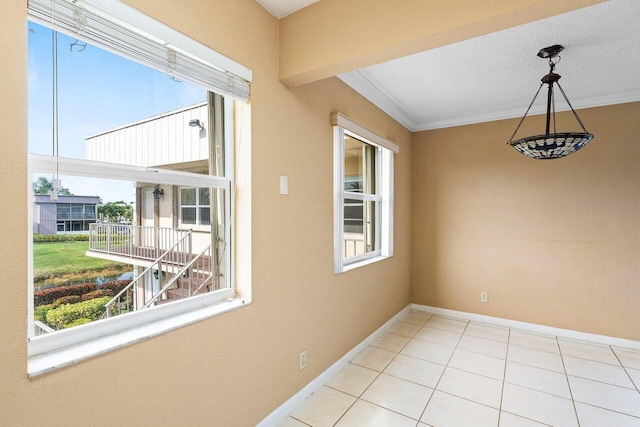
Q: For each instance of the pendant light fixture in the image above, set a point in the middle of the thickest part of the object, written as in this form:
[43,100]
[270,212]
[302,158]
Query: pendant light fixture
[551,145]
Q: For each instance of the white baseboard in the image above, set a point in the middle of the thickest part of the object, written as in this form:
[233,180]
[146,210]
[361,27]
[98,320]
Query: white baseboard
[283,410]
[531,327]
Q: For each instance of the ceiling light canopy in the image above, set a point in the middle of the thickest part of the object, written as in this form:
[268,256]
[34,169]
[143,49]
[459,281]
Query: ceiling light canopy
[557,144]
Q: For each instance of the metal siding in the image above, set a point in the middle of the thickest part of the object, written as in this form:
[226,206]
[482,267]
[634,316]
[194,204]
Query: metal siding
[162,140]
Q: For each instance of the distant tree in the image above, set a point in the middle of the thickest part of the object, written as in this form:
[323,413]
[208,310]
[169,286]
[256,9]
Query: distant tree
[115,212]
[43,186]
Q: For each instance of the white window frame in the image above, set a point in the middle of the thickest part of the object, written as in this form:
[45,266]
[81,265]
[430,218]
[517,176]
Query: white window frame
[62,348]
[198,224]
[385,150]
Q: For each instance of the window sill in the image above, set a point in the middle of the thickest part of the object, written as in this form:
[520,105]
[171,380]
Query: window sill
[47,362]
[362,263]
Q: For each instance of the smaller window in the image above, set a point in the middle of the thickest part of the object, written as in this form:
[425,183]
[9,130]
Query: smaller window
[363,186]
[195,206]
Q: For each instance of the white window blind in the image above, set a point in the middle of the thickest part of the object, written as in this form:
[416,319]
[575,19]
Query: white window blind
[121,29]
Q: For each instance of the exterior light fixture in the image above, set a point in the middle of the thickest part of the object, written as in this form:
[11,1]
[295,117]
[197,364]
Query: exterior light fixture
[196,123]
[158,193]
[551,145]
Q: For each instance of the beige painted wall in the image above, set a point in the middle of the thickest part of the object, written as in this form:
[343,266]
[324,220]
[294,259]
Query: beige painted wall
[553,242]
[234,369]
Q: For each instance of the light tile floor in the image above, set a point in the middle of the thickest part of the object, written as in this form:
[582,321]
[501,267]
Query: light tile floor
[429,370]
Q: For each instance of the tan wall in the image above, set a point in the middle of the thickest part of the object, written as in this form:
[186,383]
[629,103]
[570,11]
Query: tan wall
[553,242]
[234,369]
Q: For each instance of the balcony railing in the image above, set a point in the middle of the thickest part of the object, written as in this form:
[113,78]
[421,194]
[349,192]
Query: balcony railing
[133,241]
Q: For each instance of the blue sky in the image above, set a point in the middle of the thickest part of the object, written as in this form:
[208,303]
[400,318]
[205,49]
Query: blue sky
[97,91]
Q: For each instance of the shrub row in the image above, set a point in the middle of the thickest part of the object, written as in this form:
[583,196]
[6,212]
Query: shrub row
[54,238]
[115,286]
[96,294]
[49,296]
[71,299]
[69,315]
[62,294]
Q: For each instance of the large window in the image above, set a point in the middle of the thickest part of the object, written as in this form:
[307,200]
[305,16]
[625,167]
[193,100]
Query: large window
[363,185]
[145,123]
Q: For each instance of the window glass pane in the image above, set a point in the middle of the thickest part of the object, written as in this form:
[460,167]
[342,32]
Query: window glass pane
[156,129]
[188,215]
[64,211]
[124,127]
[360,227]
[205,218]
[188,197]
[353,216]
[76,211]
[204,196]
[359,166]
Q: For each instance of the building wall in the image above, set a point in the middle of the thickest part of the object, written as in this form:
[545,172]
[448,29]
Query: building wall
[160,140]
[234,369]
[553,242]
[47,215]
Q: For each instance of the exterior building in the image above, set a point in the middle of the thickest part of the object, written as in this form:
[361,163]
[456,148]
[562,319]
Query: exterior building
[172,224]
[68,214]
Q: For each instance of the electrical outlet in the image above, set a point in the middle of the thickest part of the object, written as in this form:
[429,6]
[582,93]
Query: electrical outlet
[303,360]
[484,297]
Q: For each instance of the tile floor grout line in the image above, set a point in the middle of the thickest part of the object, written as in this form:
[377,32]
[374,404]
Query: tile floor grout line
[637,386]
[378,376]
[527,418]
[504,376]
[573,402]
[435,387]
[290,416]
[610,410]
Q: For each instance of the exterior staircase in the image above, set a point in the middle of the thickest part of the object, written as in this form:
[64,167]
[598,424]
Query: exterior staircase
[180,273]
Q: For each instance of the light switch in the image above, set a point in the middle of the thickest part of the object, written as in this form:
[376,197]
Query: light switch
[284,185]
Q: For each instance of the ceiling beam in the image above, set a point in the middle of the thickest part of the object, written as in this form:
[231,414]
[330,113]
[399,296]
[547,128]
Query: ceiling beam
[332,37]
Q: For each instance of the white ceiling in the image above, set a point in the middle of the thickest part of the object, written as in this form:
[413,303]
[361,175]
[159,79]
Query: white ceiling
[282,8]
[495,76]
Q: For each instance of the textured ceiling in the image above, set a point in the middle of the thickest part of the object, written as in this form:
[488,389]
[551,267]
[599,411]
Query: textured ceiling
[282,8]
[495,76]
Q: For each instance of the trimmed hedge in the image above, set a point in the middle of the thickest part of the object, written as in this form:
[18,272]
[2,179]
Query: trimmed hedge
[97,294]
[115,286]
[51,295]
[68,315]
[71,299]
[40,313]
[55,238]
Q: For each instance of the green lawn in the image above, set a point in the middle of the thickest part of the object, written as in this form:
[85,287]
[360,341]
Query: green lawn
[57,260]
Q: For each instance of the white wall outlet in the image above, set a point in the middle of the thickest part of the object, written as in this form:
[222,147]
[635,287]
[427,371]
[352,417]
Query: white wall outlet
[284,185]
[484,297]
[303,360]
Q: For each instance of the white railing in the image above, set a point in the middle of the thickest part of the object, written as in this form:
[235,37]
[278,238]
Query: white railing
[196,276]
[355,244]
[41,329]
[170,262]
[133,241]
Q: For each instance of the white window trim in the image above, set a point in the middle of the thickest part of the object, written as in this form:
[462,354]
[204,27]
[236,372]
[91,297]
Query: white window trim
[343,126]
[62,348]
[197,206]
